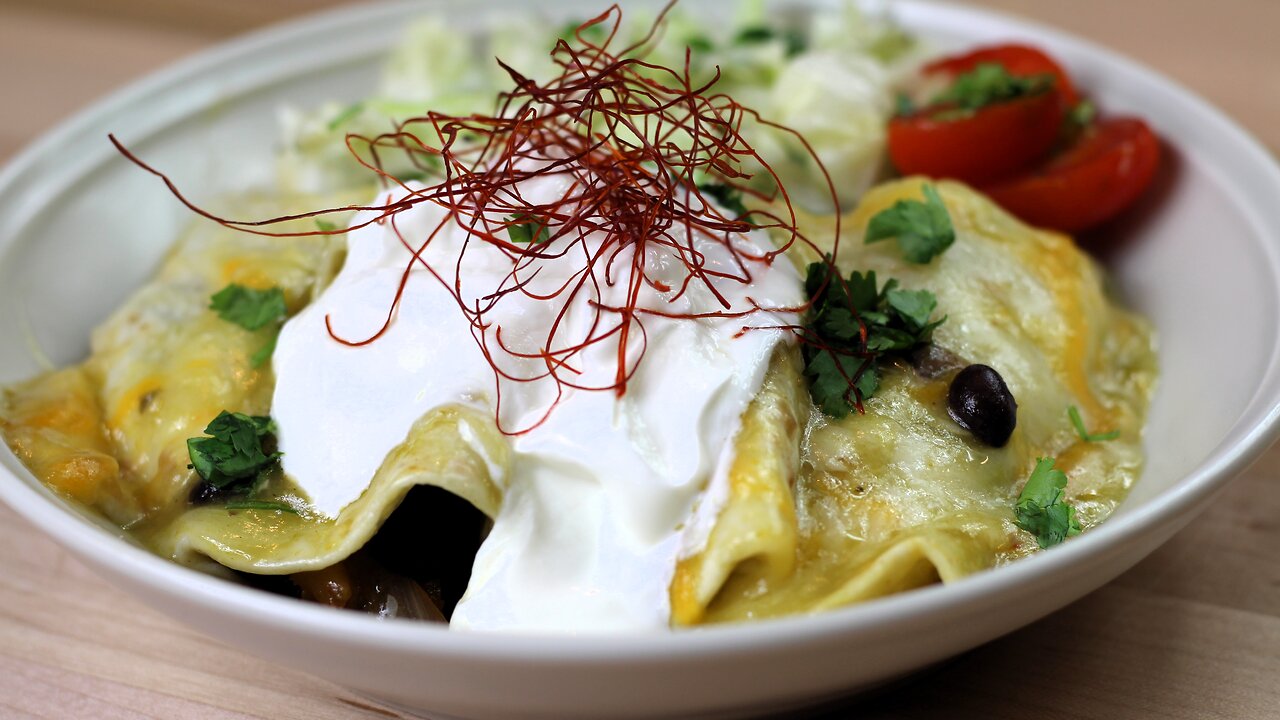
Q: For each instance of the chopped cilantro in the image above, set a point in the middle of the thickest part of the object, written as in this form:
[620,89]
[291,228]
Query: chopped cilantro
[913,306]
[729,198]
[1041,509]
[527,230]
[252,310]
[324,225]
[843,355]
[1074,413]
[990,83]
[923,229]
[832,376]
[264,353]
[232,450]
[249,308]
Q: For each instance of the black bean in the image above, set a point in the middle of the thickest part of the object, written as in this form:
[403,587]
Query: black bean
[981,403]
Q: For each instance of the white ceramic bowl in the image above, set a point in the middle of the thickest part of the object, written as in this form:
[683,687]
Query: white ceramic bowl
[79,228]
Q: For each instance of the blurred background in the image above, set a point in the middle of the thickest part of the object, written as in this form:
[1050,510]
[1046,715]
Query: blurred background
[1192,632]
[56,55]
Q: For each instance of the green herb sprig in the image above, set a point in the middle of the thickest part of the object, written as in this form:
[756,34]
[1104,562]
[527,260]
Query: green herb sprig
[988,84]
[252,310]
[1078,423]
[1041,508]
[249,308]
[232,451]
[923,229]
[528,230]
[843,355]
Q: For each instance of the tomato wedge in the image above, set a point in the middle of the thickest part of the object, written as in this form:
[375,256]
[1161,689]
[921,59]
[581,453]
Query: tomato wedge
[1006,148]
[993,142]
[1018,60]
[1104,172]
[980,146]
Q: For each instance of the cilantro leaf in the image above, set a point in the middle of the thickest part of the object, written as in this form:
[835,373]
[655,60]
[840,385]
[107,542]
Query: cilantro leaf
[249,308]
[914,306]
[264,353]
[923,229]
[1041,510]
[324,225]
[990,83]
[253,310]
[528,230]
[832,381]
[815,276]
[884,339]
[863,295]
[838,323]
[232,449]
[869,382]
[851,324]
[727,197]
[1074,413]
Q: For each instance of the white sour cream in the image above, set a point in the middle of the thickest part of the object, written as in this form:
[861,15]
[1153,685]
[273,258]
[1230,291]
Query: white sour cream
[599,495]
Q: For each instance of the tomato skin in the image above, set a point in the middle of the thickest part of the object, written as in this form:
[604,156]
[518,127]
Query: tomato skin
[1107,169]
[983,146]
[1004,148]
[1018,60]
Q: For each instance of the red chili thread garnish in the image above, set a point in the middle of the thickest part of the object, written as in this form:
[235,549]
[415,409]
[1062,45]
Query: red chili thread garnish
[631,136]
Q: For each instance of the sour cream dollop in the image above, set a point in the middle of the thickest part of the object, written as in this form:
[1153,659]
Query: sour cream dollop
[601,494]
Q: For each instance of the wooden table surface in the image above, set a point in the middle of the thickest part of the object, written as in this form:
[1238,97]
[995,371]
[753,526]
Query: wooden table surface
[1191,632]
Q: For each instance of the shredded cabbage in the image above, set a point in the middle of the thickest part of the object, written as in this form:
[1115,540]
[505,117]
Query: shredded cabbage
[827,74]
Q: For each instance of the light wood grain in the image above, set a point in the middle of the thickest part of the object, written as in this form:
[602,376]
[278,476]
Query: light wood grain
[1192,632]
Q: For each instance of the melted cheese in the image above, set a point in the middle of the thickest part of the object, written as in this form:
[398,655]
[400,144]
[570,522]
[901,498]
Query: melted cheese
[756,507]
[901,496]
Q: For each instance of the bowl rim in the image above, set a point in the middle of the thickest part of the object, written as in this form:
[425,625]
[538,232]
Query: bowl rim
[1257,427]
